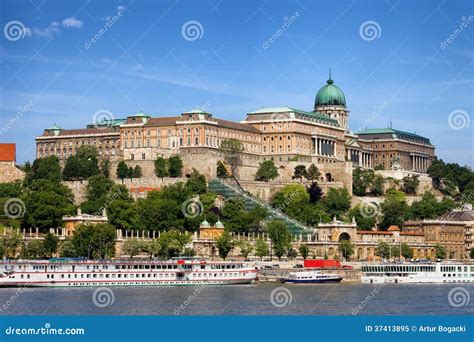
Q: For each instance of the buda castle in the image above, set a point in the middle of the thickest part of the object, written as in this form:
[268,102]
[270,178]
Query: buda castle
[288,136]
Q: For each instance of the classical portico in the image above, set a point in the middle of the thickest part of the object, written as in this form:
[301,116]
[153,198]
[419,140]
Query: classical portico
[419,162]
[324,146]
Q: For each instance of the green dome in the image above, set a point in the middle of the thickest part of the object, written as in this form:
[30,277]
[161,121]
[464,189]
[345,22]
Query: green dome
[330,94]
[205,223]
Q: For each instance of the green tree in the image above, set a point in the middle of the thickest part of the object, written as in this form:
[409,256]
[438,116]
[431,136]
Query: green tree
[383,250]
[360,181]
[44,168]
[11,190]
[172,243]
[300,172]
[158,213]
[95,241]
[304,251]
[137,172]
[35,249]
[347,248]
[97,189]
[47,202]
[105,168]
[50,243]
[66,249]
[224,244]
[222,170]
[132,247]
[234,215]
[410,184]
[315,193]
[291,199]
[261,248]
[175,166]
[291,253]
[245,248]
[266,171]
[231,150]
[394,211]
[123,214]
[196,183]
[440,251]
[377,185]
[280,236]
[72,169]
[406,251]
[161,167]
[313,173]
[364,218]
[337,202]
[437,171]
[122,170]
[10,244]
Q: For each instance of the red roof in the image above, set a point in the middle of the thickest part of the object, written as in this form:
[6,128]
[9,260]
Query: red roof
[7,152]
[373,232]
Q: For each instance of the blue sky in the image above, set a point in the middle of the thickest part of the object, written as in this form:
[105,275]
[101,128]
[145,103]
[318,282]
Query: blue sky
[391,58]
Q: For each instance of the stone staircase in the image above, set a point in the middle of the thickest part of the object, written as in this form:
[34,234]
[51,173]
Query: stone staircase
[229,190]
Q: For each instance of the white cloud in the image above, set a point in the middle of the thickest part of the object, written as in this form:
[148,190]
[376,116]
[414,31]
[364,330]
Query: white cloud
[72,22]
[53,28]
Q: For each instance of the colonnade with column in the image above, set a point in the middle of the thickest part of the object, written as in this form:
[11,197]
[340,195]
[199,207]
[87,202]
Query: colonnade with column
[420,163]
[363,159]
[324,147]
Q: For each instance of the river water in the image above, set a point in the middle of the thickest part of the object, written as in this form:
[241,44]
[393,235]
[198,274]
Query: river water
[256,299]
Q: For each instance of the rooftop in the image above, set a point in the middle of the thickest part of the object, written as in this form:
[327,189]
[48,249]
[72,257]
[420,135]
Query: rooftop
[395,133]
[319,116]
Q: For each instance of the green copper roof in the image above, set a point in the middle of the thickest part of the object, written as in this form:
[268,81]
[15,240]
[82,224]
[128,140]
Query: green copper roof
[196,111]
[330,94]
[55,128]
[395,133]
[140,115]
[272,110]
[111,122]
[309,115]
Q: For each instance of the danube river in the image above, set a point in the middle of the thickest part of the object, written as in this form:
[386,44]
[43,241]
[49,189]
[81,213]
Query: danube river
[258,299]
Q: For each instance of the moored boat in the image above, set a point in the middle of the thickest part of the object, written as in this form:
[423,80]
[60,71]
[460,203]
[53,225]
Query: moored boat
[446,272]
[72,273]
[311,277]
